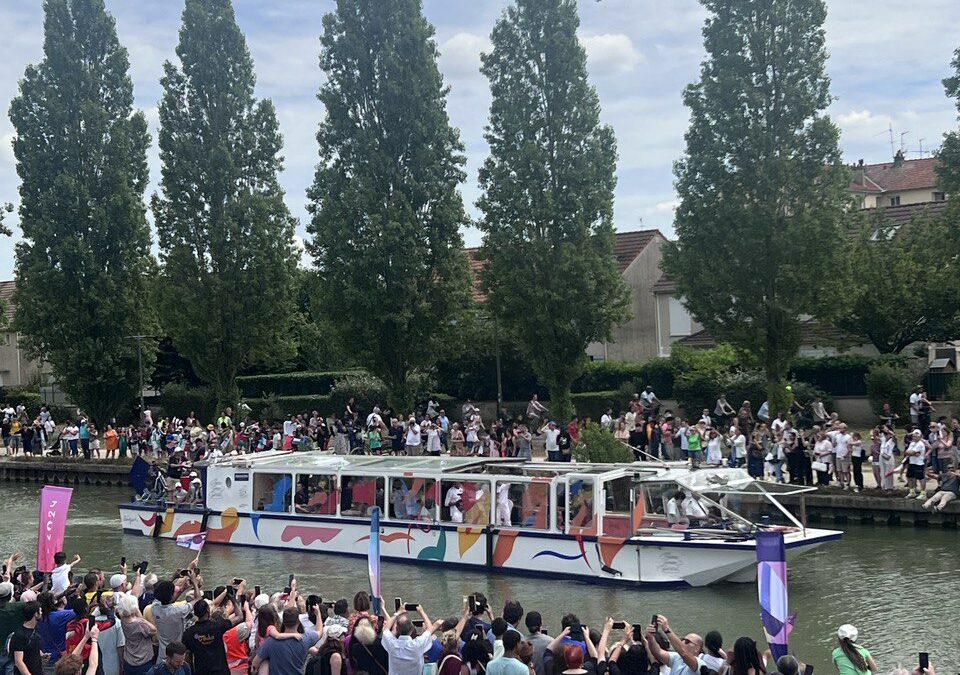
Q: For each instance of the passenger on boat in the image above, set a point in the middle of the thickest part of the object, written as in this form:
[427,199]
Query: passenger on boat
[675,514]
[454,501]
[504,504]
[694,511]
[301,499]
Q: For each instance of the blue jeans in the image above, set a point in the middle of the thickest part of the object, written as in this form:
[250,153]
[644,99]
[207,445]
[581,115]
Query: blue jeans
[73,442]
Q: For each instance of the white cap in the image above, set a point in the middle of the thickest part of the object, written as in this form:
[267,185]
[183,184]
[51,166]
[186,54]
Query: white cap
[118,580]
[261,600]
[28,596]
[847,632]
[6,590]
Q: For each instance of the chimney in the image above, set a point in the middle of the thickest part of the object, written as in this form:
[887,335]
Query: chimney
[858,174]
[898,159]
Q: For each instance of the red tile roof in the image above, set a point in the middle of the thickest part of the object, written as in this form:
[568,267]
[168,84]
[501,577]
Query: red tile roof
[912,174]
[7,289]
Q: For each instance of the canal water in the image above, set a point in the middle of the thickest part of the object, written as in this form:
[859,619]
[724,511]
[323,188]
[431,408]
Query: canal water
[897,585]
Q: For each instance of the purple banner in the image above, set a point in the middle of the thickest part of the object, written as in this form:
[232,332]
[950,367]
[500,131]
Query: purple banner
[772,591]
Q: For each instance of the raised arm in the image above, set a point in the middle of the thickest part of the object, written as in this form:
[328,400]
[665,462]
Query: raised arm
[678,645]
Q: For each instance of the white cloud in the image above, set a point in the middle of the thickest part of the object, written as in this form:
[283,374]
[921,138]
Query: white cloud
[860,117]
[6,149]
[667,207]
[460,55]
[610,53]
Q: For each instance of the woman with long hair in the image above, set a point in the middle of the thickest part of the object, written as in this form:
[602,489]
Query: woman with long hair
[849,657]
[329,660]
[745,658]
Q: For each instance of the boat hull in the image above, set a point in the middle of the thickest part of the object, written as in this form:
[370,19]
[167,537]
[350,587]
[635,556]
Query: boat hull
[667,560]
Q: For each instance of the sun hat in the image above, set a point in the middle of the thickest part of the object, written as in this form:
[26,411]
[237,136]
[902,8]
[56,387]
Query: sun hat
[335,631]
[847,632]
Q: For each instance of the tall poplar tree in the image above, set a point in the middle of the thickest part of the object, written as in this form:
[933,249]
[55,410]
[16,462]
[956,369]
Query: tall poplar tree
[226,236]
[83,262]
[763,191]
[548,196]
[386,211]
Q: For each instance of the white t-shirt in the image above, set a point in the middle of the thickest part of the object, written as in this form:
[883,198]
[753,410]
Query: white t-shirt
[841,443]
[60,579]
[823,450]
[740,446]
[915,404]
[551,436]
[413,434]
[648,396]
[920,449]
[778,424]
[673,512]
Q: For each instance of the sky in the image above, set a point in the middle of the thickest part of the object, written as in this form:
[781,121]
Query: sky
[887,60]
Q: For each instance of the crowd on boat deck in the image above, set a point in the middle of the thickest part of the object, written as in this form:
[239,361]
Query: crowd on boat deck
[135,621]
[804,445]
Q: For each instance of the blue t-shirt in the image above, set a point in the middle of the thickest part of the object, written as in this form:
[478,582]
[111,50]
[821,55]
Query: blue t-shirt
[504,665]
[53,632]
[288,655]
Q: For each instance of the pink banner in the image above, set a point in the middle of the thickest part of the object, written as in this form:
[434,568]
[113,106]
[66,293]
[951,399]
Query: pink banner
[54,504]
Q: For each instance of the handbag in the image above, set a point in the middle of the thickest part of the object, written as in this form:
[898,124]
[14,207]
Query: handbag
[819,466]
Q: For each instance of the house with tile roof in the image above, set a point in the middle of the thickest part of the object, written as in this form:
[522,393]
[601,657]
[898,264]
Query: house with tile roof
[638,255]
[15,368]
[897,183]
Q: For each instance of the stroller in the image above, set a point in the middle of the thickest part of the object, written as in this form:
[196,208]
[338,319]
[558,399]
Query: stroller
[155,491]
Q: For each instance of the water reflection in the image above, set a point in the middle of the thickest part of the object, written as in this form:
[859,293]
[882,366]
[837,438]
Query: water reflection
[894,584]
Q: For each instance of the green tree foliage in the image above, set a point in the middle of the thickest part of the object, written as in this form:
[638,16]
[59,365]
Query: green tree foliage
[598,445]
[762,188]
[548,196]
[905,285]
[948,169]
[226,237]
[83,264]
[4,232]
[386,211]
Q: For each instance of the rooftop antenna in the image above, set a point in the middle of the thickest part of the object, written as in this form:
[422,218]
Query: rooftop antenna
[921,147]
[902,134]
[893,149]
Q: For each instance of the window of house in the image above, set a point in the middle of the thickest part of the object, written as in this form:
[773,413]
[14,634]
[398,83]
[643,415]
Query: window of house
[525,505]
[895,201]
[466,502]
[359,494]
[413,499]
[680,322]
[939,196]
[315,494]
[272,492]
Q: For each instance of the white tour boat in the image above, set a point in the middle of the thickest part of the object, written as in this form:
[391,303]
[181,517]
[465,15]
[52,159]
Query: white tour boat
[611,523]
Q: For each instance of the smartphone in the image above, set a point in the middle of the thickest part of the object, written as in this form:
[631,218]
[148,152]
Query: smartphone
[237,581]
[208,595]
[576,632]
[143,567]
[256,591]
[328,604]
[183,573]
[472,600]
[290,580]
[417,622]
[655,620]
[123,561]
[808,670]
[924,661]
[397,604]
[619,625]
[410,607]
[637,632]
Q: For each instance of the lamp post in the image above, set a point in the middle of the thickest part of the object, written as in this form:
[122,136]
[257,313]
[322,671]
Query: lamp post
[139,339]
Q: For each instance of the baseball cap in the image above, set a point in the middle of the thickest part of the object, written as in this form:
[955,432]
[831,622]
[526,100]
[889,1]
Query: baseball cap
[117,580]
[28,596]
[261,600]
[847,632]
[335,631]
[6,589]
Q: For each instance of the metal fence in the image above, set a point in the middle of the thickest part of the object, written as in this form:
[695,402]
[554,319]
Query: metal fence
[937,384]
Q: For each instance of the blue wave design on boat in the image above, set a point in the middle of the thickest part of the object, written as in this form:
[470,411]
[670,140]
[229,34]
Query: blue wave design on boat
[562,556]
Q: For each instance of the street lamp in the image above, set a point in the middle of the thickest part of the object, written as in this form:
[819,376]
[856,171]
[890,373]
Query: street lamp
[139,339]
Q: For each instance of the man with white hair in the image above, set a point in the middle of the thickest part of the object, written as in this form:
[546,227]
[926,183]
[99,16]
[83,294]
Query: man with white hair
[916,454]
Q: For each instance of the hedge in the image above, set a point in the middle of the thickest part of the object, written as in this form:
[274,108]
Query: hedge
[179,400]
[290,384]
[289,405]
[609,375]
[593,404]
[843,375]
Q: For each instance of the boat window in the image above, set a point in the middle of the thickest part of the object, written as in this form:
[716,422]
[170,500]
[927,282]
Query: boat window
[618,517]
[272,492]
[657,495]
[359,494]
[316,493]
[525,505]
[583,515]
[413,499]
[465,502]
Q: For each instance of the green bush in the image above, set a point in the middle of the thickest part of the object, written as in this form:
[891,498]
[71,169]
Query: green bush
[598,445]
[889,383]
[719,359]
[842,375]
[290,384]
[657,373]
[593,404]
[607,375]
[25,396]
[695,391]
[276,407]
[366,390]
[178,400]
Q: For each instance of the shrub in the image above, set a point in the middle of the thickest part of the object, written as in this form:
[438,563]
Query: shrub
[607,375]
[889,383]
[695,391]
[599,445]
[593,404]
[841,375]
[179,400]
[366,389]
[276,407]
[290,384]
[657,373]
[24,396]
[720,359]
